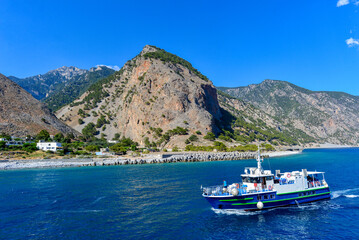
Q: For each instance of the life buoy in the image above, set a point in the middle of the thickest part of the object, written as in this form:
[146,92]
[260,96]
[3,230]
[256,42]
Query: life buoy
[288,175]
[237,185]
[270,187]
[257,188]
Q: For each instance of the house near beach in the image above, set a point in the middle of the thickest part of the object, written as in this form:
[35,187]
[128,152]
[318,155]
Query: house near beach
[13,141]
[49,146]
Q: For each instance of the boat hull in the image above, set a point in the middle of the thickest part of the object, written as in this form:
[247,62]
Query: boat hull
[269,199]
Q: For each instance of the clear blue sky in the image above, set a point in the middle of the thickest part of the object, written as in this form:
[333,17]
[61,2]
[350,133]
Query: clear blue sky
[234,43]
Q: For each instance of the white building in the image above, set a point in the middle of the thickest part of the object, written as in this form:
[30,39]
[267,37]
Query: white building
[49,146]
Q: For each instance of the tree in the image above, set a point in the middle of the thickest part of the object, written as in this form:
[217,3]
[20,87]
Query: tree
[29,147]
[118,148]
[2,145]
[269,147]
[117,136]
[43,135]
[6,136]
[220,146]
[193,138]
[92,148]
[81,121]
[59,137]
[210,136]
[89,130]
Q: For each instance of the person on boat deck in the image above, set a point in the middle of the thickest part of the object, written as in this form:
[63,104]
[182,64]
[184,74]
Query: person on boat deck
[224,184]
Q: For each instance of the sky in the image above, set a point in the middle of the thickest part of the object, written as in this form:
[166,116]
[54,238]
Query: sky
[313,44]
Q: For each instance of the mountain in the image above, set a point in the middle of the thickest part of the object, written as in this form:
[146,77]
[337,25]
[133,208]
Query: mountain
[21,114]
[158,98]
[251,123]
[61,86]
[67,92]
[41,85]
[152,94]
[326,116]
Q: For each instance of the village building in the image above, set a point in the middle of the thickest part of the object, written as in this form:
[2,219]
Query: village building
[49,146]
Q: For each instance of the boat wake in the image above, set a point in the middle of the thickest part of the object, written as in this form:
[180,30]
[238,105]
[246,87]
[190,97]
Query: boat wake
[97,200]
[238,212]
[345,193]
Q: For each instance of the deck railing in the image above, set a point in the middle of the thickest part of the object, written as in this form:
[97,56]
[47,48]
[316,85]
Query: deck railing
[315,183]
[219,190]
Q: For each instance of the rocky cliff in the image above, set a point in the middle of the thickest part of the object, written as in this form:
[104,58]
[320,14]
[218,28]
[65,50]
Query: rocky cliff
[154,96]
[21,114]
[63,85]
[325,116]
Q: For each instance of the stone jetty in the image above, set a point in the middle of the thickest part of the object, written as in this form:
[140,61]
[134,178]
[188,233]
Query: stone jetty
[150,159]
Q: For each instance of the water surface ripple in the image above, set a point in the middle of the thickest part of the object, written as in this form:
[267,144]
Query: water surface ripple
[164,202]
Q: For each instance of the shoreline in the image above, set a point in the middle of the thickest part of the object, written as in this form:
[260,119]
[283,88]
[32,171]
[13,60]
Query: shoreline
[150,159]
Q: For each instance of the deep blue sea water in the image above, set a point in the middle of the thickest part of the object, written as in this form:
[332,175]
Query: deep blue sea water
[164,202]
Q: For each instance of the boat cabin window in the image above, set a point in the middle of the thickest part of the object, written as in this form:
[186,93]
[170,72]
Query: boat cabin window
[272,196]
[265,197]
[269,178]
[251,179]
[259,198]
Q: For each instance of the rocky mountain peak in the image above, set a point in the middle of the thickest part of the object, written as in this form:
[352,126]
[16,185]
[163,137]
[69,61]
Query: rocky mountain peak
[67,72]
[147,49]
[152,94]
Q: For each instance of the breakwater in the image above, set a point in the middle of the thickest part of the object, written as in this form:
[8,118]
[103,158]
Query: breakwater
[150,159]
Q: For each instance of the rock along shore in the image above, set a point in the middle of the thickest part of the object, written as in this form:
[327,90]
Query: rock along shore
[182,157]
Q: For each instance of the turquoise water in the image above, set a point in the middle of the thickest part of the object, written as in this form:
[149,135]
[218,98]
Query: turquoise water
[164,202]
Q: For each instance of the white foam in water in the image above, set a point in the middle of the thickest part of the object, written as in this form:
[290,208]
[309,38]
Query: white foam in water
[351,196]
[237,212]
[339,193]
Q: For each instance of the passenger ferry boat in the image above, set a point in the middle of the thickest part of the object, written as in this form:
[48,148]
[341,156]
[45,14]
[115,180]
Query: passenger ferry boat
[260,189]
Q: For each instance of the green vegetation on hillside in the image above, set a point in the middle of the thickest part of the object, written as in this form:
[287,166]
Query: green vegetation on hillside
[169,57]
[66,94]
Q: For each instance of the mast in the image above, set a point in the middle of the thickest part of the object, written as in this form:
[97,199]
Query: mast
[259,161]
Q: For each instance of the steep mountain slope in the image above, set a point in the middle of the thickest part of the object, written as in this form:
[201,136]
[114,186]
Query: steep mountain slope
[63,85]
[41,85]
[326,116]
[155,95]
[252,123]
[67,92]
[21,114]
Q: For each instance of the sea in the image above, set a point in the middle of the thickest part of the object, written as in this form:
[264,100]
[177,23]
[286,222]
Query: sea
[163,201]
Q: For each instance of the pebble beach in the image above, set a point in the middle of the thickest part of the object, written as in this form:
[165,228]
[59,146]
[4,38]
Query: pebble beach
[150,159]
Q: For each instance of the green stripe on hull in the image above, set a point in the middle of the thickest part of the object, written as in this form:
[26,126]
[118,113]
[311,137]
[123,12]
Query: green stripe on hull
[312,189]
[280,200]
[229,200]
